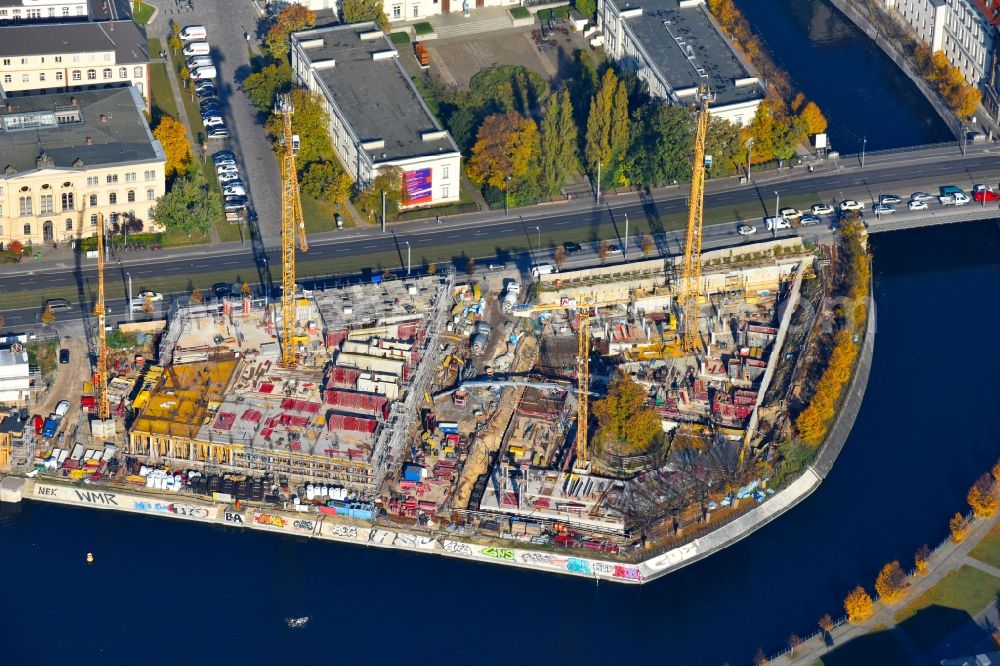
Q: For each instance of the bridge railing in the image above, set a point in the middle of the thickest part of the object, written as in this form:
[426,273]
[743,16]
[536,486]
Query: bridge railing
[906,149]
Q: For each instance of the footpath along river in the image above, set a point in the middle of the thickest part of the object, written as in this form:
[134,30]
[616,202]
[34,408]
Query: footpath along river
[167,592]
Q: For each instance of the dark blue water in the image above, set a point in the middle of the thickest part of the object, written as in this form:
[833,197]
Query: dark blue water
[164,592]
[860,91]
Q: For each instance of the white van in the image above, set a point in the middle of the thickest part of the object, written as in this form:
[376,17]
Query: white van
[775,223]
[543,269]
[203,73]
[196,49]
[191,33]
[199,61]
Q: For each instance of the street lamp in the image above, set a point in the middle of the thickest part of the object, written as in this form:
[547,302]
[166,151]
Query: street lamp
[749,146]
[625,251]
[506,190]
[777,207]
[539,244]
[864,143]
[407,257]
[128,277]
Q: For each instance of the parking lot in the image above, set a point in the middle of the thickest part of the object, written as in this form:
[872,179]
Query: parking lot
[226,23]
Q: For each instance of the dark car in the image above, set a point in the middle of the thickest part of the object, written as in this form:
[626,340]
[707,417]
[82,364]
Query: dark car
[206,91]
[571,247]
[221,289]
[64,356]
[223,155]
[251,215]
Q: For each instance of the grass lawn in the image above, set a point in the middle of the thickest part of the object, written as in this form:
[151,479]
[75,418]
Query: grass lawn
[948,605]
[141,14]
[43,354]
[159,86]
[318,215]
[988,550]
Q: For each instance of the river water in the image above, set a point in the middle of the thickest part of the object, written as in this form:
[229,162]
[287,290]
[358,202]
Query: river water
[860,91]
[167,592]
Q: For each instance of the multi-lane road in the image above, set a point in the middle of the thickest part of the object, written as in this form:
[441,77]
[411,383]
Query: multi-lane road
[515,238]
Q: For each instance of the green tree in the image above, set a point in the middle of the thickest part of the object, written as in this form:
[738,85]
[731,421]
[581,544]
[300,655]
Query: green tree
[326,181]
[607,128]
[369,200]
[587,8]
[583,85]
[357,11]
[662,144]
[189,207]
[292,18]
[624,417]
[502,88]
[310,121]
[725,146]
[558,143]
[262,86]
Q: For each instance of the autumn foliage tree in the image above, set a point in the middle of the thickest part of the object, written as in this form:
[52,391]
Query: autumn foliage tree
[48,316]
[982,498]
[624,417]
[826,623]
[959,528]
[196,296]
[813,119]
[172,136]
[292,18]
[890,585]
[356,11]
[948,81]
[559,257]
[921,558]
[506,151]
[858,605]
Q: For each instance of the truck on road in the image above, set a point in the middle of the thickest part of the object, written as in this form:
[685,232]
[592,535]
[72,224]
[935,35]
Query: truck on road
[953,196]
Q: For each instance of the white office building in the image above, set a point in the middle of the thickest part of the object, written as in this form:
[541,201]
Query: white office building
[956,27]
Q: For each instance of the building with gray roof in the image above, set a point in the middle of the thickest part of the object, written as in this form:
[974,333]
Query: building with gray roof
[377,117]
[65,158]
[675,46]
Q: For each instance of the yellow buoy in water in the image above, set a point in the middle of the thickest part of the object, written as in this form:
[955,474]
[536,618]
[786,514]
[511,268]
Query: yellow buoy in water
[90,558]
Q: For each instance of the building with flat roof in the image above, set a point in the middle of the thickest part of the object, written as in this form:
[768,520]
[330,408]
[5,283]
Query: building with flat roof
[401,11]
[66,158]
[675,46]
[377,117]
[72,57]
[15,377]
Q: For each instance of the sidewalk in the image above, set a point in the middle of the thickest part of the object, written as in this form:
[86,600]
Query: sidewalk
[946,558]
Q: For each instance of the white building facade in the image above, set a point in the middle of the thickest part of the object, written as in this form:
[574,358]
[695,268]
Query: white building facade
[15,377]
[956,27]
[42,10]
[401,11]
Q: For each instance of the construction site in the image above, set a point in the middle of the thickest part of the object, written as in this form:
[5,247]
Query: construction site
[478,407]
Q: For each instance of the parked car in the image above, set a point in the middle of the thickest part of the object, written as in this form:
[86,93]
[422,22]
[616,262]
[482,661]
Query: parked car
[746,230]
[917,205]
[822,209]
[236,199]
[221,289]
[207,72]
[221,155]
[217,132]
[851,204]
[889,199]
[776,223]
[251,215]
[206,91]
[571,247]
[61,408]
[498,267]
[807,220]
[230,190]
[196,49]
[199,61]
[154,296]
[210,103]
[339,220]
[64,356]
[192,32]
[212,121]
[922,196]
[233,207]
[883,209]
[230,178]
[790,213]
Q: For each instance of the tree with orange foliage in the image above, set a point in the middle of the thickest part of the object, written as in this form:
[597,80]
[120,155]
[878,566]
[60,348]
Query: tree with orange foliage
[172,136]
[996,466]
[813,118]
[858,605]
[920,559]
[48,316]
[292,18]
[559,257]
[826,623]
[647,245]
[959,527]
[982,498]
[890,585]
[506,150]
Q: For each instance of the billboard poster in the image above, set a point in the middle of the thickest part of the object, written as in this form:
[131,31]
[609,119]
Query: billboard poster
[416,187]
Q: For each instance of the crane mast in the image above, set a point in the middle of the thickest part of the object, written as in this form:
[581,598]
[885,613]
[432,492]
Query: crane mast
[691,278]
[291,223]
[583,390]
[103,403]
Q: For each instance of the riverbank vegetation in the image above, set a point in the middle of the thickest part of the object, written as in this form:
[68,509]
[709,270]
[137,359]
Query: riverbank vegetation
[852,277]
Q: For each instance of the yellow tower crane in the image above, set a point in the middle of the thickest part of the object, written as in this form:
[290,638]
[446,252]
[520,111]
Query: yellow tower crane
[103,403]
[291,223]
[690,291]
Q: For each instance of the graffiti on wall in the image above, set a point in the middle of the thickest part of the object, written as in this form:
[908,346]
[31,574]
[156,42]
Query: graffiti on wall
[456,547]
[269,520]
[499,553]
